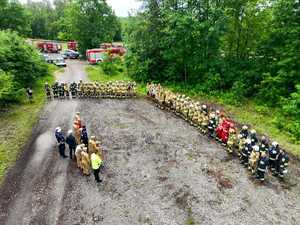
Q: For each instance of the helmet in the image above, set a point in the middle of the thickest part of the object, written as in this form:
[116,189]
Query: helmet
[274,143]
[218,112]
[253,131]
[263,138]
[240,136]
[256,148]
[245,127]
[248,141]
[204,107]
[58,129]
[70,132]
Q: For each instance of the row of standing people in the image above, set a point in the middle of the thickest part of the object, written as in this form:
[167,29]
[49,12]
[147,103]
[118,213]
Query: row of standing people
[255,154]
[116,89]
[88,152]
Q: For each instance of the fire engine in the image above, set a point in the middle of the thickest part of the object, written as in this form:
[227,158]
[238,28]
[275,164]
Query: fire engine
[96,55]
[49,47]
[72,45]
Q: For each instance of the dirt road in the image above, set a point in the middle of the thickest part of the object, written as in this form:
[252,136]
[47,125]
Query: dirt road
[159,170]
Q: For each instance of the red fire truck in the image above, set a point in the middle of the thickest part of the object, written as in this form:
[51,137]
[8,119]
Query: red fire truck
[96,55]
[72,45]
[49,47]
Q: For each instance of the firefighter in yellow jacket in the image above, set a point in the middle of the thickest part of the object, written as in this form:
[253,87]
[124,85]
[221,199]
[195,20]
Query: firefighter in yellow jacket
[85,161]
[231,140]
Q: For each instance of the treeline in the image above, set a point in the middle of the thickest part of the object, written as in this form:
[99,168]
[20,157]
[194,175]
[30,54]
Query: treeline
[20,67]
[241,49]
[87,21]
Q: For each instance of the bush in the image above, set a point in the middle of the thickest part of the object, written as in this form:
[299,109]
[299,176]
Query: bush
[21,66]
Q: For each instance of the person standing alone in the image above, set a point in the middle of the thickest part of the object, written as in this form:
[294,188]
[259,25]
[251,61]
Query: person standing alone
[96,162]
[71,141]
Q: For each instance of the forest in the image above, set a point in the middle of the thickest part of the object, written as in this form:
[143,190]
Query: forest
[236,50]
[240,50]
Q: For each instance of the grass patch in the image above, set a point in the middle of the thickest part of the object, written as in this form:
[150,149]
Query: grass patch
[17,122]
[96,73]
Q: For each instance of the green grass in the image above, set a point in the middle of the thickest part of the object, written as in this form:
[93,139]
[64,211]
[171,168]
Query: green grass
[95,73]
[17,122]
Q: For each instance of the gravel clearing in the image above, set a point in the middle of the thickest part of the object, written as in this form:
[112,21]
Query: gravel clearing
[159,170]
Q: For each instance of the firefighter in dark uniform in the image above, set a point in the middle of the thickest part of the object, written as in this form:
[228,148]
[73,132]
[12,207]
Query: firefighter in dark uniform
[264,145]
[61,142]
[253,137]
[244,132]
[48,90]
[273,154]
[55,89]
[212,125]
[282,163]
[66,90]
[246,151]
[61,91]
[262,166]
[73,89]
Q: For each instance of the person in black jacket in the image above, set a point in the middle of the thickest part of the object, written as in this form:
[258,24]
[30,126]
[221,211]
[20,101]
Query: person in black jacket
[282,163]
[262,166]
[71,141]
[84,136]
[273,154]
[61,142]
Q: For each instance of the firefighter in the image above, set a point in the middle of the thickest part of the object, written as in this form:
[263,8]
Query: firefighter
[77,118]
[80,89]
[273,154]
[96,162]
[253,137]
[29,93]
[73,89]
[66,90]
[212,125]
[84,136]
[282,163]
[77,132]
[92,145]
[85,162]
[78,151]
[204,119]
[71,141]
[244,132]
[55,89]
[61,91]
[262,166]
[61,142]
[246,151]
[264,145]
[253,159]
[231,140]
[48,90]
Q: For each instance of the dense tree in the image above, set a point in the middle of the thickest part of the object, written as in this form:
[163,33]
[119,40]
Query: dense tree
[20,66]
[14,16]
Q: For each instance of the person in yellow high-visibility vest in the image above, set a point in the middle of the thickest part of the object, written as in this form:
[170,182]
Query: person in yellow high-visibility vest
[96,162]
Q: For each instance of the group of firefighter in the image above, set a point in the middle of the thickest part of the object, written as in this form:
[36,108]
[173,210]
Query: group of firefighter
[258,155]
[88,152]
[116,89]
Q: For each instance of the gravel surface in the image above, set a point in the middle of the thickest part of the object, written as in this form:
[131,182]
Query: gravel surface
[159,170]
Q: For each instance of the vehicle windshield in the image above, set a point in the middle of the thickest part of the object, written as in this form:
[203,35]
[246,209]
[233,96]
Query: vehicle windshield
[97,55]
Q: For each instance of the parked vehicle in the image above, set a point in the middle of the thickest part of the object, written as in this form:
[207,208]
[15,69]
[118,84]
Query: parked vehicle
[71,54]
[97,55]
[73,45]
[59,62]
[49,47]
